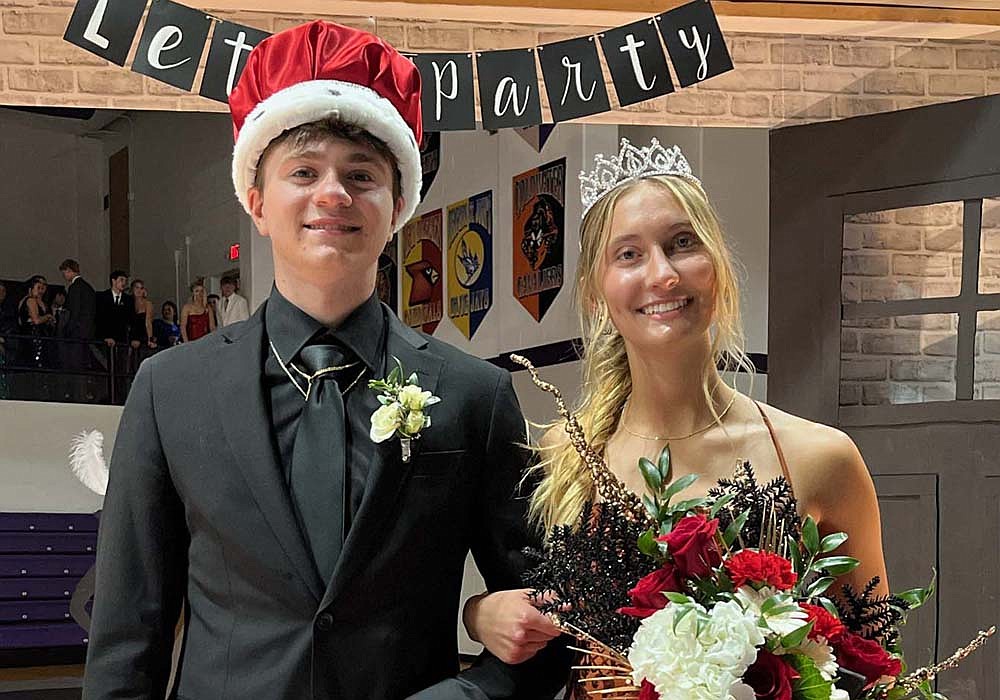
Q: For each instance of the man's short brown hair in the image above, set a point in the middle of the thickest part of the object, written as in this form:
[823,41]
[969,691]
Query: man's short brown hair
[306,135]
[70,264]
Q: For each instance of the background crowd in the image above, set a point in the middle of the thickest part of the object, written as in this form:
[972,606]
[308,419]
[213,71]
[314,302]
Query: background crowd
[76,344]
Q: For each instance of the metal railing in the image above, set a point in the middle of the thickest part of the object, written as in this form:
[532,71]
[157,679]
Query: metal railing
[44,368]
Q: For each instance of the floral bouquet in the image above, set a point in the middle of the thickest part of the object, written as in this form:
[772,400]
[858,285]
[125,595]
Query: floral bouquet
[720,598]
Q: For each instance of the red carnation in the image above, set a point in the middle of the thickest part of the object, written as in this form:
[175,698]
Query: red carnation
[647,691]
[770,677]
[692,545]
[865,657]
[751,566]
[647,596]
[824,624]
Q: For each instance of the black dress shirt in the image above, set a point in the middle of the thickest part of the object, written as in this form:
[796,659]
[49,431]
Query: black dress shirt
[289,329]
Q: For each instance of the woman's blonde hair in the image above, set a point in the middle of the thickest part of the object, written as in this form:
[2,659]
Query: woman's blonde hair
[566,484]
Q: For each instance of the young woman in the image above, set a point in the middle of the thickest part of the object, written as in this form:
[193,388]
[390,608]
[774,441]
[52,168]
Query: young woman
[197,318]
[658,299]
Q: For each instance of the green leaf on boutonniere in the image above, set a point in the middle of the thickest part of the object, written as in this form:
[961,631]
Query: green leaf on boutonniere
[412,379]
[810,685]
[395,375]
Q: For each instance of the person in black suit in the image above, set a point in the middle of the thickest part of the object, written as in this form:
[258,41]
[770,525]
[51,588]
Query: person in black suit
[319,556]
[79,324]
[114,313]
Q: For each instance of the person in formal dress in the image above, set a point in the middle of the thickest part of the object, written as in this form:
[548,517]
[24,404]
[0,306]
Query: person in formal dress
[35,319]
[659,305]
[314,561]
[232,307]
[166,331]
[197,317]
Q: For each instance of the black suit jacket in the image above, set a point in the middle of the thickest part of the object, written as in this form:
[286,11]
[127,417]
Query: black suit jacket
[113,319]
[197,508]
[81,310]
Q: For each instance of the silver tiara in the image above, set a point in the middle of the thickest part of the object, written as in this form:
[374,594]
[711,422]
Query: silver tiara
[631,163]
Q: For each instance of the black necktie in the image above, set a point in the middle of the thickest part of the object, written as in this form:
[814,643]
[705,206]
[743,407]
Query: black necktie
[319,458]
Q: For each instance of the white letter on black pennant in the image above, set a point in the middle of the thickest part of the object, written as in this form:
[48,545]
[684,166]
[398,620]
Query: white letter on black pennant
[636,62]
[688,32]
[172,29]
[227,56]
[447,100]
[573,64]
[508,88]
[105,28]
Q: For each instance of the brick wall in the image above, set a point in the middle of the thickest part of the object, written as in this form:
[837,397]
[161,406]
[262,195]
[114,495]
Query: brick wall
[779,78]
[914,253]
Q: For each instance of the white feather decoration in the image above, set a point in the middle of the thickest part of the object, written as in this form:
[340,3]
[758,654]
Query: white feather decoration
[86,459]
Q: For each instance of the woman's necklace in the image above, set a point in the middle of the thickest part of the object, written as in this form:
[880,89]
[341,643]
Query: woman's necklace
[699,431]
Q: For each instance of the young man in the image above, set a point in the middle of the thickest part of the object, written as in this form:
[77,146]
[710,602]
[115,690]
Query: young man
[114,306]
[315,562]
[232,307]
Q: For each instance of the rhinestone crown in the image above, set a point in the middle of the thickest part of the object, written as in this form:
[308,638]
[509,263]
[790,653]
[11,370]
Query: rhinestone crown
[631,163]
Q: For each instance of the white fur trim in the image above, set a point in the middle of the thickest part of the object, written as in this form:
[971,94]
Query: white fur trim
[313,100]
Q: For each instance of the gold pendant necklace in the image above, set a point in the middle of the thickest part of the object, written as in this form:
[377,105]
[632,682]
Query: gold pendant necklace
[699,431]
[315,375]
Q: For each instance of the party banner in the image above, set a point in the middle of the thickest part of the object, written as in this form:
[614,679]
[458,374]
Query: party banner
[539,236]
[422,283]
[430,160]
[174,36]
[470,262]
[387,280]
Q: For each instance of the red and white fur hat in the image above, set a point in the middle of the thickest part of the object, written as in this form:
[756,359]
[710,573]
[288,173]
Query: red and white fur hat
[320,70]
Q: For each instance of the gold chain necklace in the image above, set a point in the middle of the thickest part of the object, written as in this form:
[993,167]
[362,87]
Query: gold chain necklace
[699,431]
[312,377]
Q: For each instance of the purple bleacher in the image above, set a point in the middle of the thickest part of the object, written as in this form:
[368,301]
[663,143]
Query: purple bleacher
[34,565]
[43,634]
[34,611]
[42,558]
[48,542]
[48,522]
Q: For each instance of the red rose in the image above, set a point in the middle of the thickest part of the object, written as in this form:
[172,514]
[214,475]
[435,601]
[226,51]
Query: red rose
[647,691]
[824,624]
[865,657]
[692,545]
[647,596]
[750,566]
[770,677]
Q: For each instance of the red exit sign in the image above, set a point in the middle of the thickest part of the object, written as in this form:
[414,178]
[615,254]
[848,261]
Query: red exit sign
[234,251]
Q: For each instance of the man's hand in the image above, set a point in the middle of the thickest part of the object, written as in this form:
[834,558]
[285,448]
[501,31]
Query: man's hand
[508,625]
[135,344]
[110,342]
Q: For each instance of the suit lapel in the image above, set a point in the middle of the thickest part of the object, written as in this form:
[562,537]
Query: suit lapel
[242,409]
[388,473]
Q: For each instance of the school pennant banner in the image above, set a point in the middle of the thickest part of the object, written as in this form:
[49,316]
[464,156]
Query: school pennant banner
[173,39]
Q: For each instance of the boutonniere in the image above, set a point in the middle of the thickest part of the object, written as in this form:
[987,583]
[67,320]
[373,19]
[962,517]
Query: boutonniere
[403,410]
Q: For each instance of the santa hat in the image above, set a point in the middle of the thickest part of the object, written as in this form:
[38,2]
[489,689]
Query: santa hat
[320,70]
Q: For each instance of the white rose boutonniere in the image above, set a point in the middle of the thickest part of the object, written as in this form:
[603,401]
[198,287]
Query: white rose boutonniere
[403,410]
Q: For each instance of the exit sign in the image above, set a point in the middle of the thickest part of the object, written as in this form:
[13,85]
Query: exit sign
[234,251]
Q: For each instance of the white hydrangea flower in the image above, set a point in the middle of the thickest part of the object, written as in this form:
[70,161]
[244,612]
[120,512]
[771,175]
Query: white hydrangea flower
[781,624]
[685,665]
[415,421]
[838,694]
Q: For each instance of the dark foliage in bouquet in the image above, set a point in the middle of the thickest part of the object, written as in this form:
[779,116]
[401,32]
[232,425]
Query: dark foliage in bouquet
[591,566]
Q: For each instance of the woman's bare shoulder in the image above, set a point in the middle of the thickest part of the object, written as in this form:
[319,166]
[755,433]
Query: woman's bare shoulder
[817,455]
